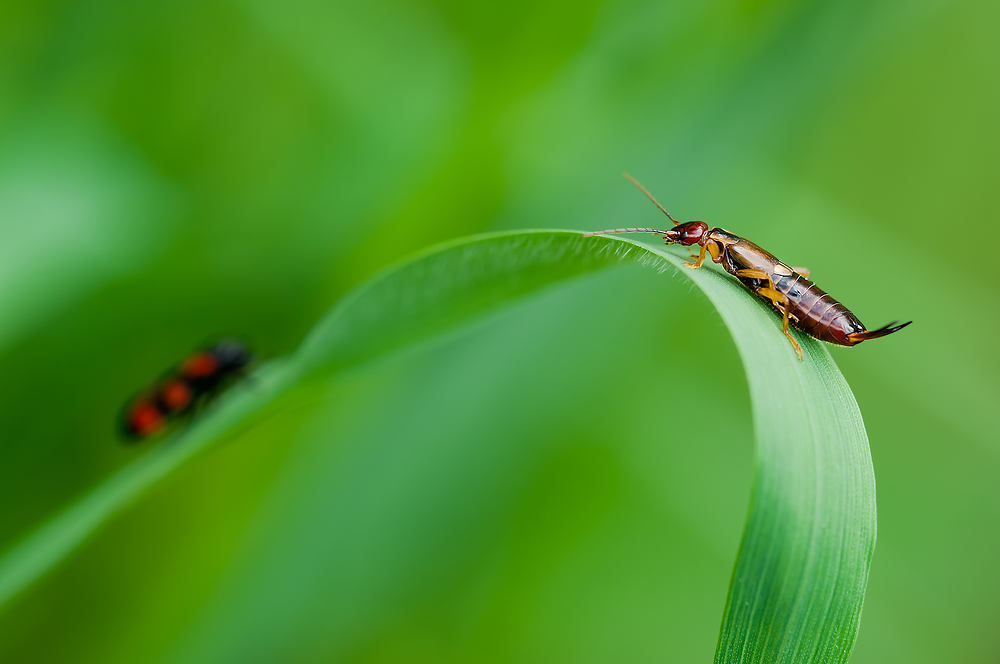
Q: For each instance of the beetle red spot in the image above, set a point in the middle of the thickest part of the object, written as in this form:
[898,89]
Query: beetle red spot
[175,395]
[199,366]
[146,419]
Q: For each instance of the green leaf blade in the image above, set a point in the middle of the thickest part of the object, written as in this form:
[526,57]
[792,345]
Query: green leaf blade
[799,582]
[449,284]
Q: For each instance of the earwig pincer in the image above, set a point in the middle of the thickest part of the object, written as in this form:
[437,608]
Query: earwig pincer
[788,289]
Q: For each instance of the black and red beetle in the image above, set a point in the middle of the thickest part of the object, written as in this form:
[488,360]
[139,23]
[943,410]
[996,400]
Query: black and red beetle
[191,383]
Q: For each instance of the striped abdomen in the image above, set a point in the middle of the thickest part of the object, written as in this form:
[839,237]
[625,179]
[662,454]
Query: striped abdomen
[816,313]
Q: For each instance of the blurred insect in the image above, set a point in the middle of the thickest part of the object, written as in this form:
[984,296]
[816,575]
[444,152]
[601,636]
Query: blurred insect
[184,388]
[788,289]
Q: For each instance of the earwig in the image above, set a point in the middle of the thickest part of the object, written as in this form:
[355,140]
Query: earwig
[800,302]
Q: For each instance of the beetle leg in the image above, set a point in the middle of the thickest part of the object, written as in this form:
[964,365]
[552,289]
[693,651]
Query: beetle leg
[781,301]
[804,271]
[701,259]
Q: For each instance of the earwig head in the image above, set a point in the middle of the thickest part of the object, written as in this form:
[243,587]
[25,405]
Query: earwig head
[687,233]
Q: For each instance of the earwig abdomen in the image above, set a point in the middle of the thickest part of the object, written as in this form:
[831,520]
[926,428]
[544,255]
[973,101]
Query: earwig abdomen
[816,313]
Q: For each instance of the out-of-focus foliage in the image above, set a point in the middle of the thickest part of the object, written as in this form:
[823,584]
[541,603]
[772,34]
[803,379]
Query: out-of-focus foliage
[171,172]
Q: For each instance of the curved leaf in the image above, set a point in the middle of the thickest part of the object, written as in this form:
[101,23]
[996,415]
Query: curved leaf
[799,581]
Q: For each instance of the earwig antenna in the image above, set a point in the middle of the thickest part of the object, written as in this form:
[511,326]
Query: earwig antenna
[654,231]
[655,202]
[615,231]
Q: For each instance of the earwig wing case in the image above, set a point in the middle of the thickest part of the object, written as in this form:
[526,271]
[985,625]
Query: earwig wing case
[799,581]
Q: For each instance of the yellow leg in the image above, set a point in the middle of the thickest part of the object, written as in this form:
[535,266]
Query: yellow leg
[779,299]
[784,328]
[755,274]
[781,302]
[701,259]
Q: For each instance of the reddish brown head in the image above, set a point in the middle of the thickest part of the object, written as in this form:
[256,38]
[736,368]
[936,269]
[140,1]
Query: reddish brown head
[687,233]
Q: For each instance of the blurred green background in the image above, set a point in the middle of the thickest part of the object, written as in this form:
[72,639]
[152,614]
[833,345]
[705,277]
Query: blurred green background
[567,482]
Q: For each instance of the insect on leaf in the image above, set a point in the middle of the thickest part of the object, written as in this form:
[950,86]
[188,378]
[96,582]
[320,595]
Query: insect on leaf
[799,580]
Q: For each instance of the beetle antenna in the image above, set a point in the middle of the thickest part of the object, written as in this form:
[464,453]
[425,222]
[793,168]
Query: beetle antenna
[655,202]
[612,231]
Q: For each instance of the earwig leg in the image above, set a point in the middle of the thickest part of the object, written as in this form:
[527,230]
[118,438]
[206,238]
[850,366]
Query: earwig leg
[701,259]
[784,328]
[804,271]
[781,301]
[756,274]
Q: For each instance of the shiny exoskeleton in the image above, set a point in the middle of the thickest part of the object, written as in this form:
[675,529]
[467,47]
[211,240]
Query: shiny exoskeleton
[787,289]
[195,380]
